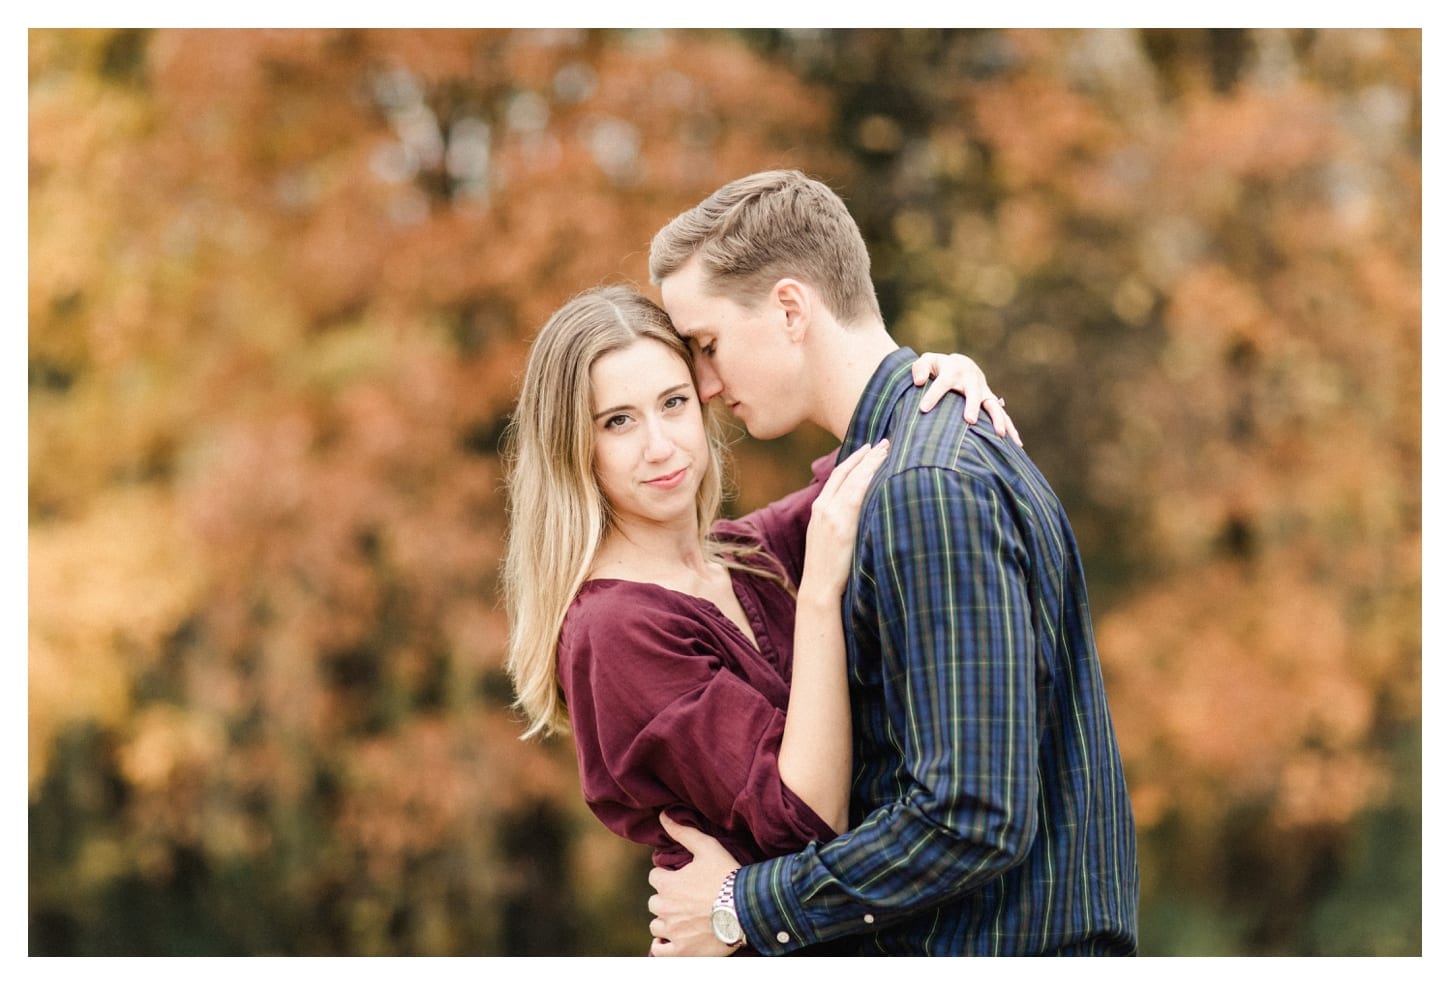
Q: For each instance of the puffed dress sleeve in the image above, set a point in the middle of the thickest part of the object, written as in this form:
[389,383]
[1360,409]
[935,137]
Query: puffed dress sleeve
[668,711]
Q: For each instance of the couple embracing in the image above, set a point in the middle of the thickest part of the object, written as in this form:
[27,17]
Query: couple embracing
[868,718]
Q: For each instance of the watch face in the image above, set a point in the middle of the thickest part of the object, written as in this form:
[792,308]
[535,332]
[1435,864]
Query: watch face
[726,927]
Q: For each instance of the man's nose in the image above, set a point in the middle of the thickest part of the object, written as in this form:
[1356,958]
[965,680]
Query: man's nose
[710,386]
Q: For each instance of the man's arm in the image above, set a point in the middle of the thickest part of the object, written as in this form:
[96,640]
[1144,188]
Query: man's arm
[958,686]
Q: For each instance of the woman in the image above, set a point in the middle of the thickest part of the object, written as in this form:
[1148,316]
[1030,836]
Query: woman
[700,664]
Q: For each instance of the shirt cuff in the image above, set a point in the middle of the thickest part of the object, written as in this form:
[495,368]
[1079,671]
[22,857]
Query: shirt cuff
[793,901]
[766,907]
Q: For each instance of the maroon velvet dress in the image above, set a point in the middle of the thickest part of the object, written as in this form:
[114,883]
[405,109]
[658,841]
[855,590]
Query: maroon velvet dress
[673,707]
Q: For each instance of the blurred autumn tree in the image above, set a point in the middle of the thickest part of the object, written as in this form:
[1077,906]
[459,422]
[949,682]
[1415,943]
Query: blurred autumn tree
[281,284]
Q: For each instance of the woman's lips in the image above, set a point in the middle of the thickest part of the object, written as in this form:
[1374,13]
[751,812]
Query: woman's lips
[668,481]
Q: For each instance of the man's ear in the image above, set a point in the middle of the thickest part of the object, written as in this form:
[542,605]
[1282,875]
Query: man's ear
[796,303]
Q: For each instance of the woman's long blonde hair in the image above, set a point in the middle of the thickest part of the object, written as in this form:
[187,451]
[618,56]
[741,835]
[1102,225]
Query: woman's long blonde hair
[557,516]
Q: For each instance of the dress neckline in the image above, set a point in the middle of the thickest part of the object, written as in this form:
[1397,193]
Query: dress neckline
[743,595]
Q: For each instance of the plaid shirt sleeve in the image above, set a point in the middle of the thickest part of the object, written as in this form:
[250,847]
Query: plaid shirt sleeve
[943,580]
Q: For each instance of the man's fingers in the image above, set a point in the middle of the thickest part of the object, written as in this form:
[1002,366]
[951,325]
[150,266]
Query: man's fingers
[691,838]
[675,831]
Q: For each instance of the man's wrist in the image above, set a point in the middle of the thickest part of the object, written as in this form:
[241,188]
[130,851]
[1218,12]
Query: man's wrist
[724,920]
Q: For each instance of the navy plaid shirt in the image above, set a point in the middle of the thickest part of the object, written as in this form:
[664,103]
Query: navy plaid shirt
[989,811]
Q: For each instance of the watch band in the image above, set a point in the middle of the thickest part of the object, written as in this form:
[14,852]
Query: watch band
[727,890]
[723,919]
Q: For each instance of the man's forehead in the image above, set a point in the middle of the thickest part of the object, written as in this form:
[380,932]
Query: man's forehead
[686,290]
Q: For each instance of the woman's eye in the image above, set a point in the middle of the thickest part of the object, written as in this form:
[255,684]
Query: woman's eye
[617,421]
[676,401]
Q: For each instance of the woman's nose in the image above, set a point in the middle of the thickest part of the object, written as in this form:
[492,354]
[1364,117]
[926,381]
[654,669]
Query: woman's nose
[659,445]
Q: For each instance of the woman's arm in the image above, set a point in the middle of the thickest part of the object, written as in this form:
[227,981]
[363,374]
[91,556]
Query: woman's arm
[660,720]
[815,750]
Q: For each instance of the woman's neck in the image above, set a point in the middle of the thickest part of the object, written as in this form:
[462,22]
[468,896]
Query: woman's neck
[673,556]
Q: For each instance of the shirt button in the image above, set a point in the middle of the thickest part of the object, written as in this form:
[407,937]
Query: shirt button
[869,918]
[783,937]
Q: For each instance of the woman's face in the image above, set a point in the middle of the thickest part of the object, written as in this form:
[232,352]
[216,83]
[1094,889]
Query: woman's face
[650,447]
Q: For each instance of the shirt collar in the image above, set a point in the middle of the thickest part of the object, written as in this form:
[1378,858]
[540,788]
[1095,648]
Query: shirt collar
[870,420]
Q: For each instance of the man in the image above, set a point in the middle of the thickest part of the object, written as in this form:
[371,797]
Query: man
[989,809]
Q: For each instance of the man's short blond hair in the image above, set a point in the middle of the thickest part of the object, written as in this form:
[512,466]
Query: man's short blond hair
[766,226]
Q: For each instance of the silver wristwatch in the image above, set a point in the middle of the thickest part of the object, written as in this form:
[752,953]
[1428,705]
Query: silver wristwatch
[722,915]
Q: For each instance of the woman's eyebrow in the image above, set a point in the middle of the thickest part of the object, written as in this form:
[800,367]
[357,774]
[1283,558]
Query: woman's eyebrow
[616,409]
